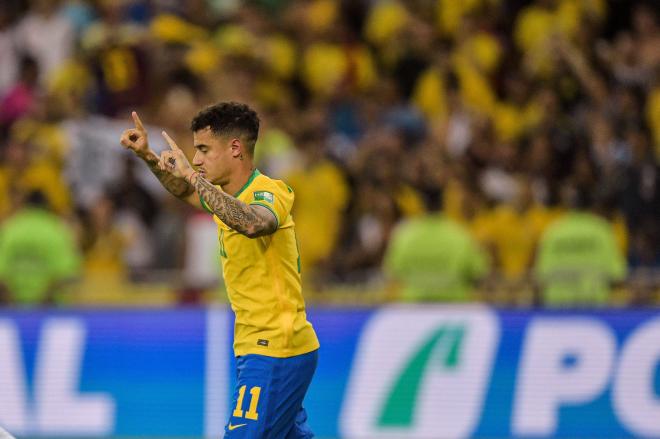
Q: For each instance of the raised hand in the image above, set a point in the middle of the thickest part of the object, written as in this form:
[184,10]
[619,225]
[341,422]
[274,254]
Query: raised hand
[135,139]
[174,161]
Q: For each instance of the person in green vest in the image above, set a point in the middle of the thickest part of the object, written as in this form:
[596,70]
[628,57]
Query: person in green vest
[38,255]
[578,260]
[434,258]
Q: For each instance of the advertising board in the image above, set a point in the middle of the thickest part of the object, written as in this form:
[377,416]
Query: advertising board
[427,371]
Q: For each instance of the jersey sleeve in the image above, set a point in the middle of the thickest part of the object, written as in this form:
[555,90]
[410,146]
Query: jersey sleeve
[275,196]
[204,205]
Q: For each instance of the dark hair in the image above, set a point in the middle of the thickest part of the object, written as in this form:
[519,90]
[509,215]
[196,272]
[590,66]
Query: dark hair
[28,68]
[229,118]
[38,199]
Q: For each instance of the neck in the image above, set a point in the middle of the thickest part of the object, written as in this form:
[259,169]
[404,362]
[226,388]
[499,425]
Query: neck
[239,177]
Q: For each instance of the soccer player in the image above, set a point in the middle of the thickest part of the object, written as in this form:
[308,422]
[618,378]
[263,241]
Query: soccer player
[275,346]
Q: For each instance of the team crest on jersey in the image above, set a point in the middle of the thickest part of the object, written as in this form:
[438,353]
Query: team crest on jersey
[263,196]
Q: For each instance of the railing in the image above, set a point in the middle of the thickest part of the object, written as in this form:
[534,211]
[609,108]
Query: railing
[165,288]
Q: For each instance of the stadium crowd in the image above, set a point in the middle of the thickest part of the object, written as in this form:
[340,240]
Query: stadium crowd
[522,122]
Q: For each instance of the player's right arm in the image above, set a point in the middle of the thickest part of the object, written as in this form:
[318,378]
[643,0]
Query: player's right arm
[136,140]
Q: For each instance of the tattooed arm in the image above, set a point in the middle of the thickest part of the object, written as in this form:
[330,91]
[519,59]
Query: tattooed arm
[250,220]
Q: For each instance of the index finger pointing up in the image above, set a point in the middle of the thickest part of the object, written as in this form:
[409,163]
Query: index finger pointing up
[138,122]
[170,142]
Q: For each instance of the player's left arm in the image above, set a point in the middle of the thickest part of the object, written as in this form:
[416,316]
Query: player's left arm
[251,220]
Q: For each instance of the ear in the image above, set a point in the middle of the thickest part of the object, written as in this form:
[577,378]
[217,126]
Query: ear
[236,148]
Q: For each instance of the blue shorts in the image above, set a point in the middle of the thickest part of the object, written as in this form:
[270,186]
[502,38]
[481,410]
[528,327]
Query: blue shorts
[268,397]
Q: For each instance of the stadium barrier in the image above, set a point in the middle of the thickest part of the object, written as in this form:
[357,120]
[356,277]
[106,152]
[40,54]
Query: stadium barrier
[390,372]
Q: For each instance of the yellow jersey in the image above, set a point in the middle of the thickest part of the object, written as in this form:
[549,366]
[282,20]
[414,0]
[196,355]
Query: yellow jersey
[262,277]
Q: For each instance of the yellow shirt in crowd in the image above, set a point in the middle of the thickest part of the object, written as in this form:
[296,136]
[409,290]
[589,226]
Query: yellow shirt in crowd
[536,26]
[321,196]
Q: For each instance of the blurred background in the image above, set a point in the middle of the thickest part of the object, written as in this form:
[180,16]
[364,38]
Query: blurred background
[499,152]
[504,116]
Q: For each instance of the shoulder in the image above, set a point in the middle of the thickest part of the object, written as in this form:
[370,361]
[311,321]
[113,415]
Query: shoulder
[265,183]
[273,194]
[263,179]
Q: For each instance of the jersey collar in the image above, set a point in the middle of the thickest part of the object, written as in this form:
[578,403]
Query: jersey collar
[254,175]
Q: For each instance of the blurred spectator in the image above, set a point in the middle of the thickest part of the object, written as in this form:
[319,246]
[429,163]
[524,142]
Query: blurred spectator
[338,64]
[380,196]
[372,216]
[38,254]
[43,131]
[321,198]
[543,20]
[8,53]
[275,152]
[24,169]
[434,259]
[130,195]
[646,34]
[201,257]
[103,244]
[578,260]
[640,201]
[653,115]
[513,231]
[46,35]
[169,244]
[117,59]
[137,210]
[21,97]
[80,14]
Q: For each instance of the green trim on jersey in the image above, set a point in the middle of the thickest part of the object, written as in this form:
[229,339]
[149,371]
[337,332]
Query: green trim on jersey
[204,205]
[254,175]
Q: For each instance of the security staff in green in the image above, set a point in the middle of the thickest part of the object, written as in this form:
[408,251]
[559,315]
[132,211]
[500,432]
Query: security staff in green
[578,260]
[434,258]
[38,254]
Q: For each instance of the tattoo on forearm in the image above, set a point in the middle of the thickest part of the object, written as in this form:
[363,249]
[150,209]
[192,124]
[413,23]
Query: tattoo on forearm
[236,214]
[178,187]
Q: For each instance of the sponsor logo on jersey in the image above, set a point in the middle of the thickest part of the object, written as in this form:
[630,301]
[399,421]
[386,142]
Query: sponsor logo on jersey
[264,196]
[231,427]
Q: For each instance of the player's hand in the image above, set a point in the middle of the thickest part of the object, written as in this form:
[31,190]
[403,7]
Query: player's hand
[174,161]
[135,139]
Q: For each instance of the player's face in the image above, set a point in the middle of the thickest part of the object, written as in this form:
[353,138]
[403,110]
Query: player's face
[213,156]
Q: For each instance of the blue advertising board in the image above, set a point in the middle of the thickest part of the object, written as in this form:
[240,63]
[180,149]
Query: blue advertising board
[398,371]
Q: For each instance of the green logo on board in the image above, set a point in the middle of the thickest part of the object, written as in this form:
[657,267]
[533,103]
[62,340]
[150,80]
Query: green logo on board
[443,347]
